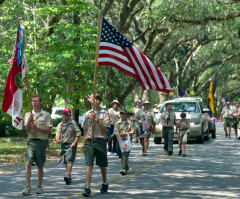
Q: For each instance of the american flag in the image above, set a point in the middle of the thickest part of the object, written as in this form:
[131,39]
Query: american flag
[89,99]
[115,50]
[61,161]
[181,92]
[145,124]
[224,101]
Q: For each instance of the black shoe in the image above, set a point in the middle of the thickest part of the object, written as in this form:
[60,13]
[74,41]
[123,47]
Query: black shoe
[226,134]
[87,192]
[170,152]
[180,152]
[184,155]
[104,188]
[123,172]
[67,180]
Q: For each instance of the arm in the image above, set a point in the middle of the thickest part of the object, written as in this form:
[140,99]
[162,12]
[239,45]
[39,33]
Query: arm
[57,137]
[100,125]
[75,142]
[29,123]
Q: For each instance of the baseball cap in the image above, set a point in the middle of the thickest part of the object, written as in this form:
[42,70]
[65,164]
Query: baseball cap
[67,110]
[237,103]
[138,101]
[115,101]
[228,102]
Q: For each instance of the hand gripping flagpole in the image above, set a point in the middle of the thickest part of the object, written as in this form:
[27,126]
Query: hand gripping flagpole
[28,93]
[95,76]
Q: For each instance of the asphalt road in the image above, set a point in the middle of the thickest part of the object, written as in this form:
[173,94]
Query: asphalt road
[210,170]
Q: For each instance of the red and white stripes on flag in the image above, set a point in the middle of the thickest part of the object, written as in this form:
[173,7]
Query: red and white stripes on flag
[115,50]
[89,99]
[145,125]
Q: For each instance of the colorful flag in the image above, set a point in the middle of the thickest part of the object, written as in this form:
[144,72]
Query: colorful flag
[224,101]
[89,99]
[61,161]
[181,92]
[115,50]
[12,98]
[210,100]
[145,124]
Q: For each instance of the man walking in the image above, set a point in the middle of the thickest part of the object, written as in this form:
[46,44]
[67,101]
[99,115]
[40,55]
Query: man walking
[227,116]
[39,123]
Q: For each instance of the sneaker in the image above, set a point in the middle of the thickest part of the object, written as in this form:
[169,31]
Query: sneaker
[184,155]
[114,154]
[67,180]
[170,152]
[27,190]
[180,152]
[226,134]
[86,192]
[39,190]
[123,172]
[144,153]
[104,188]
[109,153]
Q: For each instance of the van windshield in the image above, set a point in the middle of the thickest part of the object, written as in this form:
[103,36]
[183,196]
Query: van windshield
[183,107]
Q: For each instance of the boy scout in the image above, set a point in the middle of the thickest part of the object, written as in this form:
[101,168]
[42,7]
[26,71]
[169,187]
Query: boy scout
[145,114]
[98,148]
[68,134]
[123,128]
[168,120]
[38,122]
[227,116]
[235,114]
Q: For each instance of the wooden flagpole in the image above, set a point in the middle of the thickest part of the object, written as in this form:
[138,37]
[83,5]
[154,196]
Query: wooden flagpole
[28,93]
[95,76]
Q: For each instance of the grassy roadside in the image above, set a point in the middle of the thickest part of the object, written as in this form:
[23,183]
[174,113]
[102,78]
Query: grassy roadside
[12,150]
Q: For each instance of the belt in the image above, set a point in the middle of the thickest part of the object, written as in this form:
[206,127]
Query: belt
[95,139]
[34,139]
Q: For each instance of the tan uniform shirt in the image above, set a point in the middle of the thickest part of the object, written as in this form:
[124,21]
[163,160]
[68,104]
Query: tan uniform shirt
[114,116]
[235,111]
[148,115]
[168,119]
[68,132]
[103,117]
[226,112]
[42,118]
[136,109]
[123,126]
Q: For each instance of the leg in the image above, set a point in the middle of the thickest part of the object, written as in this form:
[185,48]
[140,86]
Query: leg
[110,132]
[88,175]
[229,132]
[184,147]
[104,174]
[146,143]
[40,175]
[165,136]
[142,143]
[114,143]
[69,169]
[28,173]
[170,140]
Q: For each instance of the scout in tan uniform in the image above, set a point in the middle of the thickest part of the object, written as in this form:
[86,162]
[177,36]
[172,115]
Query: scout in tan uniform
[137,107]
[236,114]
[40,123]
[145,114]
[114,117]
[98,148]
[168,120]
[227,116]
[123,128]
[68,134]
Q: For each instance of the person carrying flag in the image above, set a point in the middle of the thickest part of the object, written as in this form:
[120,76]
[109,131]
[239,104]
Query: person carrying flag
[168,120]
[38,122]
[123,129]
[96,148]
[146,124]
[235,114]
[67,135]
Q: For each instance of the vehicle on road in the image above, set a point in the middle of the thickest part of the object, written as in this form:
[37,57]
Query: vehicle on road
[198,116]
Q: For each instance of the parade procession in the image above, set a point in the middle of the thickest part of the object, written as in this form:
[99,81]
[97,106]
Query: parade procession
[119,99]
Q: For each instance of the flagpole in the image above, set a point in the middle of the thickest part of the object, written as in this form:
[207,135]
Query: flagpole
[95,76]
[28,93]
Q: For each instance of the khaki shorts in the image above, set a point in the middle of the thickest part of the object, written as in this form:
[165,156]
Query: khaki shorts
[70,155]
[227,123]
[36,151]
[183,134]
[98,149]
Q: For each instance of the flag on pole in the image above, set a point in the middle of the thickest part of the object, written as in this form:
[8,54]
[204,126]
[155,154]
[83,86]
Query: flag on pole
[115,50]
[210,100]
[61,161]
[224,101]
[12,98]
[146,126]
[89,99]
[181,92]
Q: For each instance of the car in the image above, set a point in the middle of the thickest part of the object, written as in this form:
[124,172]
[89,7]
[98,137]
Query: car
[199,118]
[56,112]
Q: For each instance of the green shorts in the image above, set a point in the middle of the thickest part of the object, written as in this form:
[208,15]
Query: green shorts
[36,151]
[227,123]
[70,155]
[98,149]
[235,123]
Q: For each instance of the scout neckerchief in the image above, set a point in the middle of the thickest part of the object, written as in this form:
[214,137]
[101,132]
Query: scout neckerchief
[64,127]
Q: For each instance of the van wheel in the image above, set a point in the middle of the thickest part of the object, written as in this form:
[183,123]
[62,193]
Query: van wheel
[200,139]
[157,140]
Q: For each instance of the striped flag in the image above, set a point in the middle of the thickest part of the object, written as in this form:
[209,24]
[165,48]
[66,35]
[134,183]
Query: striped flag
[115,50]
[224,101]
[61,161]
[181,92]
[12,98]
[145,124]
[89,99]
